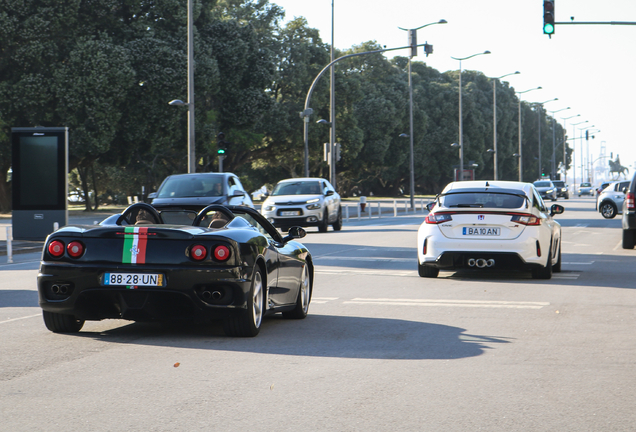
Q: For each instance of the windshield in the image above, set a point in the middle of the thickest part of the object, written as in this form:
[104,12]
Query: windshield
[482,200]
[297,188]
[192,186]
[543,184]
[559,183]
[586,185]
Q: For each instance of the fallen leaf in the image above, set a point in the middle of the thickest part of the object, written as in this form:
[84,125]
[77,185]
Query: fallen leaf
[271,387]
[177,364]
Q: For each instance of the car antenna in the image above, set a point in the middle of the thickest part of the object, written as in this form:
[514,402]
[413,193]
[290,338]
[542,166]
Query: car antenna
[487,185]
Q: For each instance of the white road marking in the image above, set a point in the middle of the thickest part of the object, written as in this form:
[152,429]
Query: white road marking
[371,259]
[366,272]
[21,318]
[450,303]
[578,263]
[322,300]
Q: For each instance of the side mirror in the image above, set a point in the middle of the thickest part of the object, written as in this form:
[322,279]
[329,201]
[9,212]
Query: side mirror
[624,190]
[294,232]
[237,194]
[152,195]
[556,209]
[329,193]
[430,206]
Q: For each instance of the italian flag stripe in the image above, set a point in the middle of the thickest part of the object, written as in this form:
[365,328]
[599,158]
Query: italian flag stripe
[135,240]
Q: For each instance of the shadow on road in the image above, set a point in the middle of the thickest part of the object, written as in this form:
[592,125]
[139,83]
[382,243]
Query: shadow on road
[317,336]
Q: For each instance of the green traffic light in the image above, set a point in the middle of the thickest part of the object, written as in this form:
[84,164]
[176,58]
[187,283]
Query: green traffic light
[548,28]
[220,151]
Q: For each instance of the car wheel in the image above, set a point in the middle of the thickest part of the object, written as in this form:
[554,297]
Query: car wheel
[544,272]
[628,239]
[427,271]
[608,210]
[324,223]
[557,267]
[567,196]
[62,323]
[337,225]
[248,322]
[304,297]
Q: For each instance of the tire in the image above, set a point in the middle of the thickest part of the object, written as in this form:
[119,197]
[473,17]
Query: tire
[427,271]
[557,267]
[544,272]
[62,323]
[324,223]
[248,322]
[304,297]
[628,239]
[608,210]
[567,196]
[337,225]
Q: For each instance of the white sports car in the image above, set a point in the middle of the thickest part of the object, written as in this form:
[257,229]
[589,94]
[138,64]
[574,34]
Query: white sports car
[490,224]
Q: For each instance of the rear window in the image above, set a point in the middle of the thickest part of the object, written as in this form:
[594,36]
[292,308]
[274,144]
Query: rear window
[482,200]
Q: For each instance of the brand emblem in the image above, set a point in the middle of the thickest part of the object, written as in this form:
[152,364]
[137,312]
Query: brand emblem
[134,250]
[480,217]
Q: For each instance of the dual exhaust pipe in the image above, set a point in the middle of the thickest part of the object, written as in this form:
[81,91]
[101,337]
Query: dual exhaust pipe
[211,295]
[60,289]
[481,262]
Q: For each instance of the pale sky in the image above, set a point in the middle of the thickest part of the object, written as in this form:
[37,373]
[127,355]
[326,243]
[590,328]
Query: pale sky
[588,67]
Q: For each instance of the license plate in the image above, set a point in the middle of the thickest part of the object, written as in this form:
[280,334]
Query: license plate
[481,231]
[290,213]
[134,279]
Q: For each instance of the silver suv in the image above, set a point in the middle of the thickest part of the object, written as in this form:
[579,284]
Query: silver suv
[303,202]
[610,201]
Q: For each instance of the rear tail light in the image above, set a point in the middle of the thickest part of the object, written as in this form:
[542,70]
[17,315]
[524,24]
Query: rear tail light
[75,249]
[56,248]
[221,253]
[198,252]
[436,218]
[424,247]
[629,199]
[538,249]
[526,219]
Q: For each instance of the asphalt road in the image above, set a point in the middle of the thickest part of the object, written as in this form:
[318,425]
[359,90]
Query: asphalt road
[382,349]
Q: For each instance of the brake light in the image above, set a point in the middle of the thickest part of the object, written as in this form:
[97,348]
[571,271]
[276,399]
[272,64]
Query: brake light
[221,253]
[538,249]
[629,199]
[526,219]
[198,252]
[56,248]
[424,247]
[75,249]
[436,218]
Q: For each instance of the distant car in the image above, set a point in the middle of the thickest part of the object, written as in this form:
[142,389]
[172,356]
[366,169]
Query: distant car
[195,191]
[586,189]
[546,189]
[303,202]
[562,189]
[610,201]
[228,263]
[599,190]
[496,225]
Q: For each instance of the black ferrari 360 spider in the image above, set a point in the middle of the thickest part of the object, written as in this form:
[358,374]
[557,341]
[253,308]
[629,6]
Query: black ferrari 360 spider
[223,262]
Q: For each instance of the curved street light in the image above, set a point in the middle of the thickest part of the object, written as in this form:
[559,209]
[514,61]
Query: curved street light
[494,118]
[461,128]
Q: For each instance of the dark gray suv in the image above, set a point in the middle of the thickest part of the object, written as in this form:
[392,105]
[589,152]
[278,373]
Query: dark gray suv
[629,216]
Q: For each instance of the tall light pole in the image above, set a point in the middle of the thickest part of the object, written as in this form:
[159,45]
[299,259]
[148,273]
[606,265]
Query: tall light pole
[539,106]
[553,167]
[590,167]
[461,126]
[581,138]
[191,156]
[494,119]
[574,151]
[413,43]
[565,144]
[332,108]
[520,153]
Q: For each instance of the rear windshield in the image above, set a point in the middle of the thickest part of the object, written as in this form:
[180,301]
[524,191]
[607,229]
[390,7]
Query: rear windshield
[542,184]
[297,188]
[192,186]
[482,200]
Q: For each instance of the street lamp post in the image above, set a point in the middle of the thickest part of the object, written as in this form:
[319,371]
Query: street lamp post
[565,144]
[332,108]
[590,171]
[573,150]
[553,167]
[413,42]
[581,138]
[539,106]
[520,153]
[461,130]
[494,118]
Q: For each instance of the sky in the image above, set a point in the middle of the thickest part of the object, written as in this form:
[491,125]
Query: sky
[589,68]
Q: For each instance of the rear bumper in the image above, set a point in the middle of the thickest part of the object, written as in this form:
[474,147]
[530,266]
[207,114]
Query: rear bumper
[479,259]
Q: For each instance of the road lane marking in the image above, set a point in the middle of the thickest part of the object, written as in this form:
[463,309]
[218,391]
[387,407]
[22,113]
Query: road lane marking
[578,263]
[368,259]
[450,303]
[367,272]
[21,318]
[322,300]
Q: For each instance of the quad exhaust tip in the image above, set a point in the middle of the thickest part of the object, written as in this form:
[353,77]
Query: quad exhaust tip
[481,262]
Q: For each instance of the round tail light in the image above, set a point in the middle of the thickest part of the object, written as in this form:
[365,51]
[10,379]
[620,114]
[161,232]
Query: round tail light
[56,248]
[221,253]
[198,252]
[75,249]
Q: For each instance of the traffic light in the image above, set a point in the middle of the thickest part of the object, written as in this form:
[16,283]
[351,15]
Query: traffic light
[548,17]
[221,144]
